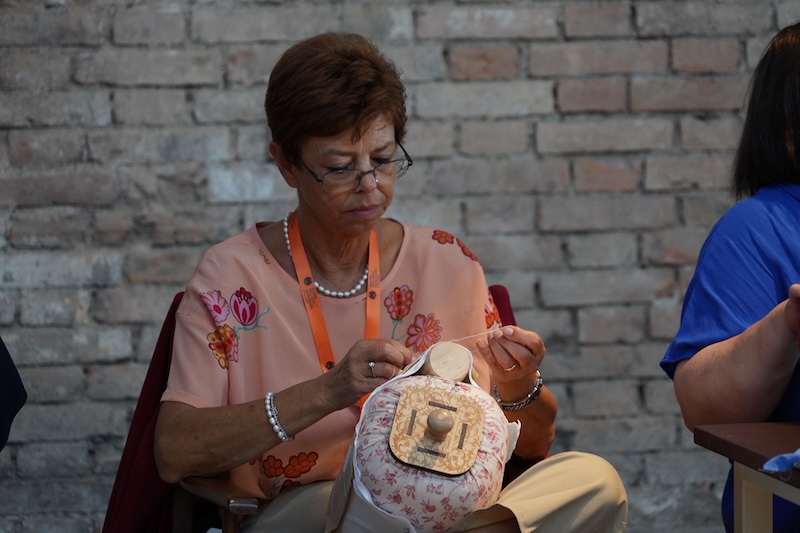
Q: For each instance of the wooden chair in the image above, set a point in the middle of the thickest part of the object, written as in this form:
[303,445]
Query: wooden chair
[141,502]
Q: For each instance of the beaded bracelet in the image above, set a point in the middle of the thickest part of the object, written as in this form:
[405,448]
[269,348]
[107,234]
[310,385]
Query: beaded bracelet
[526,401]
[272,415]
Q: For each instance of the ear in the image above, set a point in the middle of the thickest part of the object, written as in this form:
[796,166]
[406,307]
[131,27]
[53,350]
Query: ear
[288,171]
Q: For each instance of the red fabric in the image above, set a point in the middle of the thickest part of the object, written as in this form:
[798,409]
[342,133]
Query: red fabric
[140,501]
[503,302]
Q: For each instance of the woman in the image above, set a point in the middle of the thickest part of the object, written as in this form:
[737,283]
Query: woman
[317,310]
[734,358]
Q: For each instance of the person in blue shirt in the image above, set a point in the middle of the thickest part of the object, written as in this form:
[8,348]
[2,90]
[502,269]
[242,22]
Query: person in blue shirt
[735,356]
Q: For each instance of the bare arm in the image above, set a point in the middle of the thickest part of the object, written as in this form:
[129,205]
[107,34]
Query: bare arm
[206,441]
[741,379]
[510,346]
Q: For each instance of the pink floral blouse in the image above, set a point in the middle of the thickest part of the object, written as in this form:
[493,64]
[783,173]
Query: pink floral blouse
[242,331]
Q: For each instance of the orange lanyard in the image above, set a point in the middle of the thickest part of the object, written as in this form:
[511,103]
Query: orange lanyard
[311,300]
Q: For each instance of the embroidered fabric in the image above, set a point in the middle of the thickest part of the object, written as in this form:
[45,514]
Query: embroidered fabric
[429,500]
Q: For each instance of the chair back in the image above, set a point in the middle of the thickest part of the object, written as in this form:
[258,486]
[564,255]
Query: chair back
[140,500]
[503,302]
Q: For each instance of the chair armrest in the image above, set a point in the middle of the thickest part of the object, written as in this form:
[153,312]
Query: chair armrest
[222,492]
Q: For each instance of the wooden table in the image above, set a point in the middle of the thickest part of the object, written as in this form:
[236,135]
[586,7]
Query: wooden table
[749,446]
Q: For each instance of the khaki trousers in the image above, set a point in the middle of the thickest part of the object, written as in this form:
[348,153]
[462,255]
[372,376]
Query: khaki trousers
[567,492]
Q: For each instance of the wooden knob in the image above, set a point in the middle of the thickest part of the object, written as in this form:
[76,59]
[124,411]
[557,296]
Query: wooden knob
[440,422]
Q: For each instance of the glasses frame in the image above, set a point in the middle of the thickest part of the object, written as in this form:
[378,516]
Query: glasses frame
[361,173]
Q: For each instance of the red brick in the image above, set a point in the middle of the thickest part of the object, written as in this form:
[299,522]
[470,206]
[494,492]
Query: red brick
[673,246]
[592,94]
[687,172]
[85,185]
[141,304]
[704,207]
[495,138]
[593,400]
[614,212]
[161,146]
[483,62]
[598,57]
[486,98]
[200,225]
[151,106]
[689,94]
[487,22]
[517,252]
[788,12]
[230,105]
[253,24]
[617,286]
[580,136]
[665,318]
[513,175]
[149,67]
[617,175]
[431,138]
[46,147]
[754,48]
[391,21]
[504,214]
[38,69]
[424,61]
[58,108]
[112,227]
[28,23]
[706,55]
[677,18]
[61,227]
[252,65]
[710,133]
[611,19]
[78,267]
[602,250]
[149,24]
[161,265]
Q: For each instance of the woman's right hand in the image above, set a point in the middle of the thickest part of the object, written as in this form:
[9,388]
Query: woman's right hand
[352,377]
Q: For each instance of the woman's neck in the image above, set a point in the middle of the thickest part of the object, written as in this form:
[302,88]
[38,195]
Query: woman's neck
[337,262]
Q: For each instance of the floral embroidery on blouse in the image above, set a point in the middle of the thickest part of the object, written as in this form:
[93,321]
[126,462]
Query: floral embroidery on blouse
[224,345]
[224,340]
[444,237]
[466,250]
[423,333]
[491,313]
[282,476]
[398,304]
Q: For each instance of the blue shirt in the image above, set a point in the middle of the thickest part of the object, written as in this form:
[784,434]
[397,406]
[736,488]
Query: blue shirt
[745,268]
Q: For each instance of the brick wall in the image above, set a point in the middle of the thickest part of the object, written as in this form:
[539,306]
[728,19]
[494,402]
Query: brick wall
[581,149]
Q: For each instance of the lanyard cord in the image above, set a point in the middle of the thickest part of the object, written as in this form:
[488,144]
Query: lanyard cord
[311,299]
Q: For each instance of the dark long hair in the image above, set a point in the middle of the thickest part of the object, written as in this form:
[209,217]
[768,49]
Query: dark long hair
[769,149]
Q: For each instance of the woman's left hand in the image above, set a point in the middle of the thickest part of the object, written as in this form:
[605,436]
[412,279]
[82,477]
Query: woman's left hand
[513,354]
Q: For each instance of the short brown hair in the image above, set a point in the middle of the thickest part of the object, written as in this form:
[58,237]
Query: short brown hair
[326,84]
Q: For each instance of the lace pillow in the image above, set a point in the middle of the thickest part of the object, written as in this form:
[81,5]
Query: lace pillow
[432,450]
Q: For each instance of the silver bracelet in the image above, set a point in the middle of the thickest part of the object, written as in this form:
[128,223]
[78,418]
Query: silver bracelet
[526,401]
[272,415]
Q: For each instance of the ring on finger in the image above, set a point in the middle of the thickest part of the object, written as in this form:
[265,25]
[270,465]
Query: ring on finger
[372,368]
[512,367]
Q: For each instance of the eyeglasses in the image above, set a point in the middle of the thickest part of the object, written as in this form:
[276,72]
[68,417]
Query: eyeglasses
[347,179]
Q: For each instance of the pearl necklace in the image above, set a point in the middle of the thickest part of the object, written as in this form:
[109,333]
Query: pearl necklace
[320,288]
